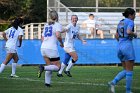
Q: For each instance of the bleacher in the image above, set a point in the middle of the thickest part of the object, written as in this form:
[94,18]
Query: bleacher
[107,20]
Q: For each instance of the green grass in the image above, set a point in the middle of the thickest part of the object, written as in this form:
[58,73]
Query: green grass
[86,79]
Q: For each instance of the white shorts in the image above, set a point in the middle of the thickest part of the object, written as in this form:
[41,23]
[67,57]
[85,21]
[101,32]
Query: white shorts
[68,50]
[8,50]
[49,53]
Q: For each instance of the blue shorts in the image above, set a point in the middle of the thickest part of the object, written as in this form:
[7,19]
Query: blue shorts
[126,52]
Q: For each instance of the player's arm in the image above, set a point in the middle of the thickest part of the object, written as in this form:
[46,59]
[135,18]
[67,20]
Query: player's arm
[64,30]
[117,36]
[4,36]
[42,38]
[59,38]
[130,30]
[131,33]
[20,40]
[80,38]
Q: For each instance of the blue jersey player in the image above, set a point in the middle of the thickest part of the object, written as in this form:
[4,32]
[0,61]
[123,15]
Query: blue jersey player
[124,35]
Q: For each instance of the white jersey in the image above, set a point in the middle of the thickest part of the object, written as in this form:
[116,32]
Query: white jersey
[71,34]
[12,36]
[90,23]
[50,40]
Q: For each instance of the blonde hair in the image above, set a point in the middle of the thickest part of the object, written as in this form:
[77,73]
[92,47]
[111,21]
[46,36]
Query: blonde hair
[53,17]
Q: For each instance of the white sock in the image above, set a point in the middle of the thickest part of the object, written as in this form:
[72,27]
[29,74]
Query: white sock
[62,68]
[48,75]
[51,68]
[14,68]
[69,66]
[2,67]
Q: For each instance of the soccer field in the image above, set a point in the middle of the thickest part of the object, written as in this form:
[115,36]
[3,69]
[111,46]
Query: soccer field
[86,79]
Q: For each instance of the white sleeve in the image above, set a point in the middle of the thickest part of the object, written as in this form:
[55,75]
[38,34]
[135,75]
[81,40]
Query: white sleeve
[58,27]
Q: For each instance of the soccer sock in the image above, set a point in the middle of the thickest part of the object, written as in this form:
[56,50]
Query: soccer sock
[62,68]
[69,66]
[129,76]
[119,76]
[48,75]
[2,67]
[66,59]
[14,68]
[51,68]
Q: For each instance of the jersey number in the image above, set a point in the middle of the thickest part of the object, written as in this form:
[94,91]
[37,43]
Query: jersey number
[12,32]
[48,31]
[121,30]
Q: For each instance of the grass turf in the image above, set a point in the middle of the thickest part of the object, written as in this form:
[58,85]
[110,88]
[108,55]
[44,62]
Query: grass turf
[86,79]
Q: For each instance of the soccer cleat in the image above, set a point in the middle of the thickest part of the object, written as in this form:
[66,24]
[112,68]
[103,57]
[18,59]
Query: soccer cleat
[41,69]
[68,73]
[14,75]
[59,75]
[111,87]
[47,85]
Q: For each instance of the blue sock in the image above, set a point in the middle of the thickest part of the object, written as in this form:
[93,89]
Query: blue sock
[119,76]
[66,59]
[129,75]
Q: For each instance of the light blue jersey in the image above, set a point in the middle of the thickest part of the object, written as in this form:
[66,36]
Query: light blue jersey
[125,49]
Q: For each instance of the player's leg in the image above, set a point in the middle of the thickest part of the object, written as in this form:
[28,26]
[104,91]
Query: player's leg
[71,63]
[130,57]
[129,75]
[14,64]
[9,56]
[92,31]
[64,64]
[101,33]
[120,75]
[48,75]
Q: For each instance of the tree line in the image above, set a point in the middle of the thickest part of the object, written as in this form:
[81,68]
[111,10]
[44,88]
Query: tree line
[35,10]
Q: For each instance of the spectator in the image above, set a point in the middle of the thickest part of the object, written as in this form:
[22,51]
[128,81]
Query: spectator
[92,26]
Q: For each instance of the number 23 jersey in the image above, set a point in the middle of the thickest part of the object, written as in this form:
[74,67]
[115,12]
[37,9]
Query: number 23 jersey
[50,40]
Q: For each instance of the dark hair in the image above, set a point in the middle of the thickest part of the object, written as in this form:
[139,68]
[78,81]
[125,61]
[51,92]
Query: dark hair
[74,15]
[128,11]
[91,15]
[16,22]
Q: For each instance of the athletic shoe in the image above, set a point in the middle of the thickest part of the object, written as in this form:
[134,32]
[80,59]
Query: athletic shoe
[68,73]
[41,69]
[59,75]
[47,85]
[14,75]
[111,87]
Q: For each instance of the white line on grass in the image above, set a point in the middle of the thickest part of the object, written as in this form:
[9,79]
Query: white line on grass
[73,83]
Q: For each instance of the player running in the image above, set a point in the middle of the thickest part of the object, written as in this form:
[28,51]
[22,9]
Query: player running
[72,32]
[124,35]
[49,50]
[13,35]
